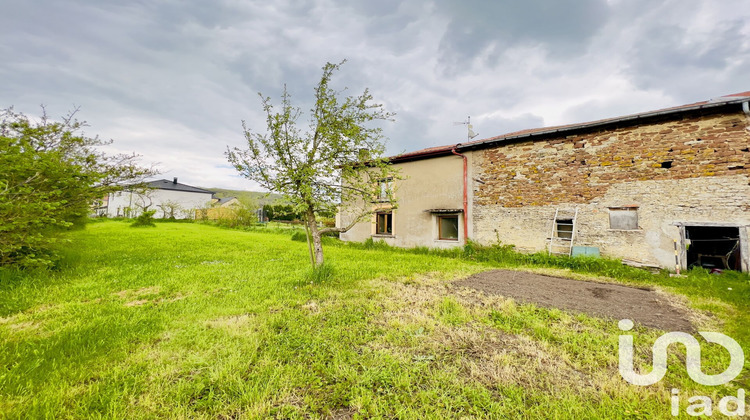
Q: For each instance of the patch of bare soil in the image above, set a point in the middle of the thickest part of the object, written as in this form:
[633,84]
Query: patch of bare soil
[615,301]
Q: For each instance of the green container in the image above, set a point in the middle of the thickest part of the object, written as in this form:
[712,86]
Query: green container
[585,251]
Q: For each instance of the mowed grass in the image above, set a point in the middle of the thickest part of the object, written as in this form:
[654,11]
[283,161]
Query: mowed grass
[194,321]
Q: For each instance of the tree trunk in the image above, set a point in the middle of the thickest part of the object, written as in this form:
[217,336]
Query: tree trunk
[316,239]
[309,244]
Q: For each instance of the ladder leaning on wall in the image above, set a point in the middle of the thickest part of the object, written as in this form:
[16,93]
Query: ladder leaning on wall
[563,232]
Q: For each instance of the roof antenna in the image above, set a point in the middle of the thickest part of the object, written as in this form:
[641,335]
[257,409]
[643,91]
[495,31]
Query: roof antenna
[471,134]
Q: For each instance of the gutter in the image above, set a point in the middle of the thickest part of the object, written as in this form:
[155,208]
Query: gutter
[466,201]
[445,151]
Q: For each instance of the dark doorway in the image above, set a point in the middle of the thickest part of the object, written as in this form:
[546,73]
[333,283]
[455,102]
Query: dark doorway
[713,247]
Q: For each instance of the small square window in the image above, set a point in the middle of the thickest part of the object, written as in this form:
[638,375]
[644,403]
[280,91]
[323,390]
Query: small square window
[384,223]
[623,218]
[448,227]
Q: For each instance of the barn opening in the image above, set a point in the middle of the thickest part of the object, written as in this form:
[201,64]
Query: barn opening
[713,247]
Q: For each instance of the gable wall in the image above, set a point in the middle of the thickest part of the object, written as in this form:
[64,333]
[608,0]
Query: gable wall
[426,184]
[522,184]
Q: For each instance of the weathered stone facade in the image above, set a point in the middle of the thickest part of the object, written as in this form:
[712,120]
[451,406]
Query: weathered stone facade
[692,168]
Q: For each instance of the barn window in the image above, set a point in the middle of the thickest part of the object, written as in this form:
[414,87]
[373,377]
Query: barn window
[623,218]
[564,228]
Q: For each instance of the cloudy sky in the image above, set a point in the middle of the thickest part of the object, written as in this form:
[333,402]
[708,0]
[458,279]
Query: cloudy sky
[172,80]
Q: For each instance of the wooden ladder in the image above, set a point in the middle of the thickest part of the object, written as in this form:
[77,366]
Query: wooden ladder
[563,234]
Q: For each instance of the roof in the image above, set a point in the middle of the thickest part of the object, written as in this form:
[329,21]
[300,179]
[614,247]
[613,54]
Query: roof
[165,184]
[225,200]
[723,101]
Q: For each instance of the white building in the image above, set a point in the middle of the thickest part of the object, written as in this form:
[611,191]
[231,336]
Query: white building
[168,198]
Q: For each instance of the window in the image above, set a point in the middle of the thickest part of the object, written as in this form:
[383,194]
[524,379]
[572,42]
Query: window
[448,227]
[564,229]
[385,189]
[623,218]
[384,223]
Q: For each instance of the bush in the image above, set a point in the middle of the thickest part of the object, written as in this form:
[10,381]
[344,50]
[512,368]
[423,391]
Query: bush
[50,174]
[146,219]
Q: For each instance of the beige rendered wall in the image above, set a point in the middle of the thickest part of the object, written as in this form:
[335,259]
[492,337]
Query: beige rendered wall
[523,183]
[428,184]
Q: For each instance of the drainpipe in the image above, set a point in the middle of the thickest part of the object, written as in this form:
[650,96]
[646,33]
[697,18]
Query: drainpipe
[466,203]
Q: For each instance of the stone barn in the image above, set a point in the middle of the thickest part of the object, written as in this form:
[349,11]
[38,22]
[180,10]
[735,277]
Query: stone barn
[660,188]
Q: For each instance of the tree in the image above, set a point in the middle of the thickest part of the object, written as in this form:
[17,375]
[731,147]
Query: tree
[169,208]
[50,174]
[320,169]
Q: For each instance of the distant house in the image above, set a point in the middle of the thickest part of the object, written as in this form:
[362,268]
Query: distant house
[667,188]
[168,198]
[226,202]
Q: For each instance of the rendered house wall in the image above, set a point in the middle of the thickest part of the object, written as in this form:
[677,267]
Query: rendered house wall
[118,202]
[428,184]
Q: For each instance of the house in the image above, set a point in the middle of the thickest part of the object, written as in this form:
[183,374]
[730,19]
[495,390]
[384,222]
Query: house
[663,188]
[168,198]
[227,208]
[227,202]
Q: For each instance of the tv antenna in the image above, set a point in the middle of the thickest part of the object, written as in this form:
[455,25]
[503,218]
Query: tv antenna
[470,134]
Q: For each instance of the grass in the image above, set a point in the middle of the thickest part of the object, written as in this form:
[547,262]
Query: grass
[194,321]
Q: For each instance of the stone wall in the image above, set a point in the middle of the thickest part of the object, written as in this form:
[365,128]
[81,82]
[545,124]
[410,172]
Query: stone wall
[694,169]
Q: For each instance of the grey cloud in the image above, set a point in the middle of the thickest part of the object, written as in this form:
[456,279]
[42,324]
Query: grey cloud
[175,78]
[493,126]
[669,58]
[563,26]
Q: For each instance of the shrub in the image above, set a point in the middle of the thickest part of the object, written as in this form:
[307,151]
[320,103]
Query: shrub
[146,219]
[50,174]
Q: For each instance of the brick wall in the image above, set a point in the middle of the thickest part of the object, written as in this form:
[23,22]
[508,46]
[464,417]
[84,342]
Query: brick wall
[694,169]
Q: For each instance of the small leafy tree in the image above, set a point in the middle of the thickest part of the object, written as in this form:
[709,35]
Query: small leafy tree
[143,199]
[319,168]
[50,175]
[169,209]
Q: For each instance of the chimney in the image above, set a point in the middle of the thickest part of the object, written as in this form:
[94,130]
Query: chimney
[175,180]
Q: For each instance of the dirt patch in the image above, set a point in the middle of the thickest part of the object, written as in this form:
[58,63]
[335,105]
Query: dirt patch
[140,292]
[646,307]
[231,322]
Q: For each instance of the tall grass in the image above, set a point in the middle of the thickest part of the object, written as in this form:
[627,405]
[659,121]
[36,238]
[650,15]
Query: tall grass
[192,321]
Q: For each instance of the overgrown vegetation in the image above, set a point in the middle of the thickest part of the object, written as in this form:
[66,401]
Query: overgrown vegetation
[224,324]
[50,175]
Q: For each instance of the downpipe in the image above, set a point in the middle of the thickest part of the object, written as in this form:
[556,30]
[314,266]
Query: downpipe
[466,201]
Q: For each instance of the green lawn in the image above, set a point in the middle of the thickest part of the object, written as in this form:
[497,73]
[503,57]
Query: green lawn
[193,321]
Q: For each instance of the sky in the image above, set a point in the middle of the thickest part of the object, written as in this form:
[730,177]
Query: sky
[173,80]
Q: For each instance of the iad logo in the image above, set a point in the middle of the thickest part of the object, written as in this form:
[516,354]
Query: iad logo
[692,363]
[699,405]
